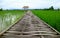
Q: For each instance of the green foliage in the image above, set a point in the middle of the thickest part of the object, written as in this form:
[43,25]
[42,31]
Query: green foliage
[51,17]
[51,8]
[58,9]
[1,9]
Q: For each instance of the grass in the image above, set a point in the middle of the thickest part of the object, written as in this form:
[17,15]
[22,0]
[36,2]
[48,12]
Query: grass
[9,17]
[51,17]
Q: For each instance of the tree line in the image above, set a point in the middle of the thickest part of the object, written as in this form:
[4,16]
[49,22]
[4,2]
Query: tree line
[50,8]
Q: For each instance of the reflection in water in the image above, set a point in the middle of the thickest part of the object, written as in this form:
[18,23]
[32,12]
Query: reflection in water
[13,18]
[6,20]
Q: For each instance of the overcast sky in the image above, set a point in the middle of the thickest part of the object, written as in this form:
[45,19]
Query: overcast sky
[18,4]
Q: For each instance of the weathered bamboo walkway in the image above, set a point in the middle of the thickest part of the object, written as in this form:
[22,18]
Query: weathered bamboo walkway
[30,26]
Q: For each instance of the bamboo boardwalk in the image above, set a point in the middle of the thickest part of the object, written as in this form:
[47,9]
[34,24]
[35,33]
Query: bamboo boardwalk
[30,26]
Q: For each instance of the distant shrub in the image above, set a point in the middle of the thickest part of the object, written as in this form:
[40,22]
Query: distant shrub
[58,9]
[51,8]
[1,9]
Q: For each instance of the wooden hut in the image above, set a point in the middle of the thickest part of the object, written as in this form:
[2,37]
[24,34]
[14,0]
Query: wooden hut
[25,7]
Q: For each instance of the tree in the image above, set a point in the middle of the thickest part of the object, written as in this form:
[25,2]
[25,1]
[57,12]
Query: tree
[1,9]
[51,8]
[25,7]
[58,9]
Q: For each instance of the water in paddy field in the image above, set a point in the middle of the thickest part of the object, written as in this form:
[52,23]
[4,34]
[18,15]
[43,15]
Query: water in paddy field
[6,20]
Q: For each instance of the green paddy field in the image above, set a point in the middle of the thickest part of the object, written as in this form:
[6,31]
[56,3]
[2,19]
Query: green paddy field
[9,17]
[52,17]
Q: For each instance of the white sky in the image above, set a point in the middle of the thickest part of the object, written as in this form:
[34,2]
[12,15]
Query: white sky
[18,4]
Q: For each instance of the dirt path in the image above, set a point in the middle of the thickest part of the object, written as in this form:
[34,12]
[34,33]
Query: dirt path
[30,27]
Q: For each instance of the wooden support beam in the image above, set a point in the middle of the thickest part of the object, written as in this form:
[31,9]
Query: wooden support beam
[32,32]
[25,32]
